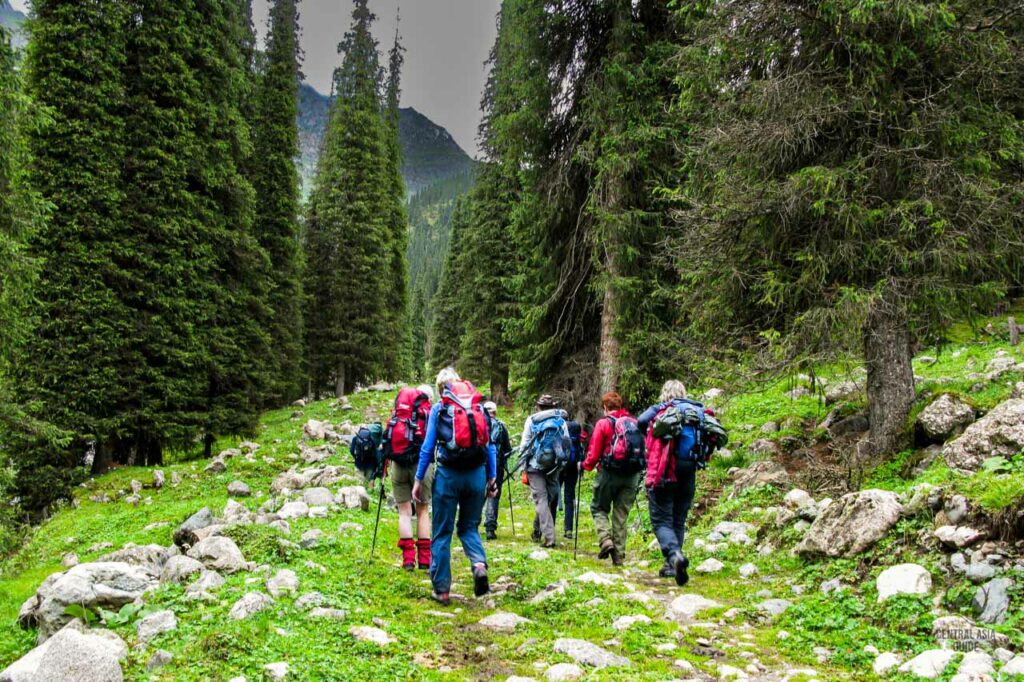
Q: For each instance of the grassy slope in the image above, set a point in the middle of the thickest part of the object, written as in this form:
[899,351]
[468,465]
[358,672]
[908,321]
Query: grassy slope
[434,647]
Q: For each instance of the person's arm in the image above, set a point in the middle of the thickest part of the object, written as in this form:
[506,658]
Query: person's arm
[505,444]
[598,444]
[429,443]
[644,420]
[524,440]
[492,462]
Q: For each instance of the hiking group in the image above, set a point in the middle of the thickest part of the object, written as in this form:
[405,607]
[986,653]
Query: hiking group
[449,460]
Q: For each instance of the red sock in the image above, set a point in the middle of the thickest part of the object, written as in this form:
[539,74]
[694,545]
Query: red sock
[408,548]
[423,552]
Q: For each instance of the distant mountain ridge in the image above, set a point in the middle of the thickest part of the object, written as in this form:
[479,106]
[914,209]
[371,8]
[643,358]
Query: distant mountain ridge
[429,153]
[12,19]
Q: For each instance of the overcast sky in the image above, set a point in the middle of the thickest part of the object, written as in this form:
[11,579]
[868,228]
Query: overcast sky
[446,44]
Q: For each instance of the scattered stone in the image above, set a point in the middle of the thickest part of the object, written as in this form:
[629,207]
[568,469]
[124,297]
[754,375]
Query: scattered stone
[588,654]
[959,536]
[239,489]
[1015,666]
[158,479]
[175,479]
[928,664]
[539,555]
[217,466]
[563,672]
[201,588]
[842,391]
[178,568]
[349,526]
[110,585]
[185,536]
[998,433]
[371,635]
[318,497]
[318,512]
[833,585]
[852,524]
[597,578]
[625,622]
[353,497]
[797,498]
[330,614]
[252,603]
[552,590]
[689,605]
[903,579]
[73,653]
[979,572]
[992,601]
[69,560]
[160,659]
[773,608]
[156,624]
[710,566]
[503,622]
[748,570]
[310,600]
[219,553]
[311,538]
[764,472]
[294,510]
[945,417]
[955,508]
[276,671]
[284,582]
[728,672]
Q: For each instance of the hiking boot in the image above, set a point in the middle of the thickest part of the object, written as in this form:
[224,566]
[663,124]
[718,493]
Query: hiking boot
[481,585]
[568,535]
[442,598]
[423,553]
[666,571]
[549,544]
[491,535]
[536,536]
[607,547]
[408,547]
[680,564]
[618,558]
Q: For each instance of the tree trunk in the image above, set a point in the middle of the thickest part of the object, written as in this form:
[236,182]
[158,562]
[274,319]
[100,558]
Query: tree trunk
[887,354]
[608,360]
[499,385]
[207,446]
[339,386]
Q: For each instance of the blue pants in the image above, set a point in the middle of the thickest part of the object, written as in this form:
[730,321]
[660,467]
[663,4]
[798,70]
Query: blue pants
[669,505]
[461,492]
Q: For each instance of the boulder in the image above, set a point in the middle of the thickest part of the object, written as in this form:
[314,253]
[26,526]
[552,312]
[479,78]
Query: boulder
[585,653]
[318,497]
[159,479]
[885,662]
[353,497]
[944,418]
[277,671]
[294,510]
[250,604]
[797,498]
[239,489]
[284,582]
[928,664]
[219,553]
[959,633]
[315,430]
[851,524]
[626,622]
[73,653]
[178,568]
[371,635]
[773,608]
[237,513]
[200,589]
[217,466]
[843,391]
[156,624]
[503,622]
[765,472]
[110,585]
[689,605]
[185,535]
[563,672]
[903,579]
[710,566]
[998,433]
[289,480]
[763,447]
[991,601]
[959,536]
[152,558]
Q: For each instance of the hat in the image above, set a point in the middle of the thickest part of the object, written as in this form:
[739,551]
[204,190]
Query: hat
[546,402]
[490,406]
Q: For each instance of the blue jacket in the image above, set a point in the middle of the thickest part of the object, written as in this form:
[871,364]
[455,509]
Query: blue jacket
[430,445]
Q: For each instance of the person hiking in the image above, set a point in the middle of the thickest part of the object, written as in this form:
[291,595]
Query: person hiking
[501,441]
[402,442]
[616,448]
[546,445]
[571,473]
[458,439]
[674,453]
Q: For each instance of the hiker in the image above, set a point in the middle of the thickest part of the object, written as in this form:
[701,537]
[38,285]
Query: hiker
[617,447]
[571,473]
[674,453]
[458,433]
[546,445]
[402,442]
[501,441]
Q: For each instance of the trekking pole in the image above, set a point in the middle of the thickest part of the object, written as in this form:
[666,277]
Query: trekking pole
[576,510]
[380,504]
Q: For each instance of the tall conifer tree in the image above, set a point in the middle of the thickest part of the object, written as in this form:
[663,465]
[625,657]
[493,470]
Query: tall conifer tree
[348,241]
[276,181]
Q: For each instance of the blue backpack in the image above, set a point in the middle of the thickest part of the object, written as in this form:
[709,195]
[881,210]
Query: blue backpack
[549,447]
[575,437]
[683,421]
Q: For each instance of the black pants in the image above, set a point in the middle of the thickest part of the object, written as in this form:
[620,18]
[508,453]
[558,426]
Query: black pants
[669,506]
[569,478]
[491,508]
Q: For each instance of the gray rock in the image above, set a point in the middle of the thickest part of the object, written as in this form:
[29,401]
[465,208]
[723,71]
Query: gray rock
[239,489]
[979,572]
[74,653]
[833,585]
[159,659]
[857,423]
[318,497]
[69,560]
[311,538]
[885,662]
[852,524]
[152,558]
[503,621]
[156,624]
[237,513]
[159,479]
[585,653]
[929,664]
[748,570]
[250,604]
[294,510]
[217,466]
[371,635]
[353,497]
[277,671]
[992,601]
[201,588]
[110,585]
[959,633]
[178,568]
[710,566]
[310,600]
[843,391]
[563,672]
[998,433]
[975,665]
[1015,666]
[219,553]
[330,614]
[689,605]
[903,579]
[944,418]
[958,562]
[955,508]
[185,535]
[774,608]
[284,582]
[959,536]
[765,472]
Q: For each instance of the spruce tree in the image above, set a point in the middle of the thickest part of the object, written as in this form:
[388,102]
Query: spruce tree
[276,181]
[452,298]
[348,243]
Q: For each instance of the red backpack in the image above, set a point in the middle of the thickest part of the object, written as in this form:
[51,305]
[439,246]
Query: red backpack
[661,458]
[463,427]
[407,426]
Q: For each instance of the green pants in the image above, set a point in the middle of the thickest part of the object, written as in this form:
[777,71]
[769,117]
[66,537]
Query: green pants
[614,494]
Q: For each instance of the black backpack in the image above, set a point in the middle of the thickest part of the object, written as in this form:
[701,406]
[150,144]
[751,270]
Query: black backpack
[575,435]
[366,450]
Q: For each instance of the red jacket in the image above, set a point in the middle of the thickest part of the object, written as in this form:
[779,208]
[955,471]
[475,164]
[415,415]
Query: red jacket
[601,439]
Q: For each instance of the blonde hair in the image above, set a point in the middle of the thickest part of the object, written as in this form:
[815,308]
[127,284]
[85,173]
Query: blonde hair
[672,390]
[443,377]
